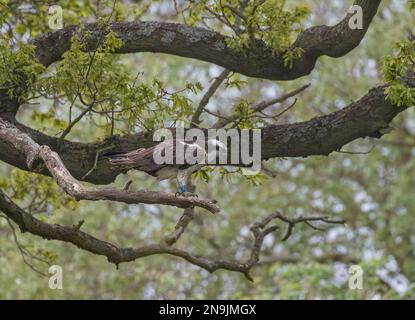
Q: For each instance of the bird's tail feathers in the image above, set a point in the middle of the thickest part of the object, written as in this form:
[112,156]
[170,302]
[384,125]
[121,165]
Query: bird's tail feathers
[125,160]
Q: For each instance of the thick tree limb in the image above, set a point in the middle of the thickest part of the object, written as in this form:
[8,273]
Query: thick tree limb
[32,152]
[210,46]
[368,117]
[301,139]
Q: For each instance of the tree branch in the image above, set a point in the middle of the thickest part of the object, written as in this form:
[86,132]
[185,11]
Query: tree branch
[117,255]
[206,97]
[368,117]
[181,225]
[307,220]
[222,122]
[210,46]
[33,152]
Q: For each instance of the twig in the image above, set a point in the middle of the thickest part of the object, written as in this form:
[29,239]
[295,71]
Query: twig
[292,222]
[262,106]
[23,251]
[181,225]
[128,184]
[94,166]
[206,97]
[74,122]
[89,68]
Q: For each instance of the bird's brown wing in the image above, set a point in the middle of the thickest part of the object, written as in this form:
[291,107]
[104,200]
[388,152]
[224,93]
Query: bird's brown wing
[140,159]
[143,159]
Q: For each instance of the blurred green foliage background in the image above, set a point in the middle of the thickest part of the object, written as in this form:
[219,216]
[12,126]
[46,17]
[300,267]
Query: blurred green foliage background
[373,192]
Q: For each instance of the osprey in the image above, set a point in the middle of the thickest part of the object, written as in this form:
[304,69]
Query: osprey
[143,159]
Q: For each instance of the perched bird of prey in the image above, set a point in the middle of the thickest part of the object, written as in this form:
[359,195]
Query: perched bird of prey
[143,159]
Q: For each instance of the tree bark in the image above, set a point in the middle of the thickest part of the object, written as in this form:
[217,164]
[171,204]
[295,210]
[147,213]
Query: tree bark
[198,43]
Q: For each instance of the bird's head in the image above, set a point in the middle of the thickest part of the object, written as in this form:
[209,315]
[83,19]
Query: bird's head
[215,149]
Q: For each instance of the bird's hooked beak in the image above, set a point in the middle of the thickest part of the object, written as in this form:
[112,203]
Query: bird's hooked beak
[217,146]
[215,149]
[222,147]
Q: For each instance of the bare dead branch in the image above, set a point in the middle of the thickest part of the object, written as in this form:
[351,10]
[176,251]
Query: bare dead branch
[33,152]
[117,255]
[291,222]
[24,252]
[181,225]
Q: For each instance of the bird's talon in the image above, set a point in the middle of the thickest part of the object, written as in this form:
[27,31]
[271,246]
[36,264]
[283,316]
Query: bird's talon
[191,195]
[186,194]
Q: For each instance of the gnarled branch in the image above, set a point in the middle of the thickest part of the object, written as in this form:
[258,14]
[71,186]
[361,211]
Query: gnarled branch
[33,152]
[117,255]
[210,46]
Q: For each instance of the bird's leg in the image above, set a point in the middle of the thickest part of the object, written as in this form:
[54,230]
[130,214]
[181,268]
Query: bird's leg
[182,177]
[184,193]
[182,189]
